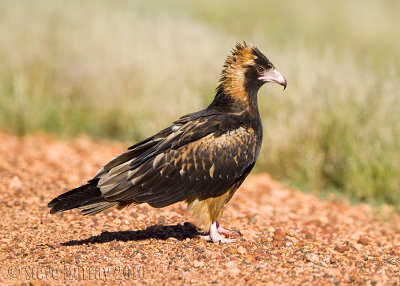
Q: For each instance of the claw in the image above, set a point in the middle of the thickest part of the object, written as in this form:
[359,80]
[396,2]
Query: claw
[228,232]
[215,234]
[218,239]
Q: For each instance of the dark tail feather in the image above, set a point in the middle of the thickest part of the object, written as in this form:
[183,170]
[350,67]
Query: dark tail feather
[87,197]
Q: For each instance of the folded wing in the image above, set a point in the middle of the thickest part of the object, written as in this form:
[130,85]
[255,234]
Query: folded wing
[186,159]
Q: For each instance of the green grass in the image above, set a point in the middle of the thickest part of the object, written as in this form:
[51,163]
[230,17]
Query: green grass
[125,69]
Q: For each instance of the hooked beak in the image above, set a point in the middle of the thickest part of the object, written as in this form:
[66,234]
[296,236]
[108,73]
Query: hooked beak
[272,75]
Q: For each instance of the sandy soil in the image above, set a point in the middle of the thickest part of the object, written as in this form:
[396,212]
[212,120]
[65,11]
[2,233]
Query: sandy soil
[289,237]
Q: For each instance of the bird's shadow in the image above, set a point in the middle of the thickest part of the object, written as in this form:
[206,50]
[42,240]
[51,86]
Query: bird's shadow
[163,232]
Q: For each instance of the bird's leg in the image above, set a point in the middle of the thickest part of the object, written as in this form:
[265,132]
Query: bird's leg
[227,232]
[215,236]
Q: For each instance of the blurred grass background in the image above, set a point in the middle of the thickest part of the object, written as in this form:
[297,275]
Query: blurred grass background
[126,69]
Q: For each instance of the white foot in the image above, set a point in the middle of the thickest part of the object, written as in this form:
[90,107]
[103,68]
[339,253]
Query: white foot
[215,236]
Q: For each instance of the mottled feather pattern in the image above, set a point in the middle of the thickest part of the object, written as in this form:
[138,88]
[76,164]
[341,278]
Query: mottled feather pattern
[180,157]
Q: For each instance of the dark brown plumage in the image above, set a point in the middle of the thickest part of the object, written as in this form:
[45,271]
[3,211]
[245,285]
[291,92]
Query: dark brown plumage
[202,158]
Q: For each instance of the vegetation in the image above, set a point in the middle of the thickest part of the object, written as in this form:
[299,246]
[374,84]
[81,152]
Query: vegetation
[125,69]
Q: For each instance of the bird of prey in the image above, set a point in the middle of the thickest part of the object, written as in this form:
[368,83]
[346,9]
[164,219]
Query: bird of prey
[201,158]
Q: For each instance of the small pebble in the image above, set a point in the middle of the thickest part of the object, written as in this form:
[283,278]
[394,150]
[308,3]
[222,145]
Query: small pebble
[342,249]
[364,240]
[279,234]
[198,264]
[241,250]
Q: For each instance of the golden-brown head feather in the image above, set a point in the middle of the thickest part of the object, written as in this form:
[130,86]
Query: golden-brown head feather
[233,73]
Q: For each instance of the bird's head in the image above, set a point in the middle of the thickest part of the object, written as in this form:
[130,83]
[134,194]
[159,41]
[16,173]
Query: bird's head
[245,71]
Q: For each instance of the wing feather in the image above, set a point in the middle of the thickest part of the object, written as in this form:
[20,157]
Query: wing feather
[181,161]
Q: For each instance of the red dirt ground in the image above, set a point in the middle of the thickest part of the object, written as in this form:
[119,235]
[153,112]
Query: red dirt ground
[289,237]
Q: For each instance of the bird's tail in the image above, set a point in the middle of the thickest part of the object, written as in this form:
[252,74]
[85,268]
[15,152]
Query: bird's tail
[87,197]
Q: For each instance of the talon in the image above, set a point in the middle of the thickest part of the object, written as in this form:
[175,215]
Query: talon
[228,232]
[205,237]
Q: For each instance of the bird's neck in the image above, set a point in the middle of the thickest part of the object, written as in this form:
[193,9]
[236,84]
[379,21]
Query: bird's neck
[235,100]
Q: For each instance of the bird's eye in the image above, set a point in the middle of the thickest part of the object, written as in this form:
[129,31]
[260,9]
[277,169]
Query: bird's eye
[260,69]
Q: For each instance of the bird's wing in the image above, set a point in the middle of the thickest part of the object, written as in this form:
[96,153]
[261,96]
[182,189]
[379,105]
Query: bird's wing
[202,156]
